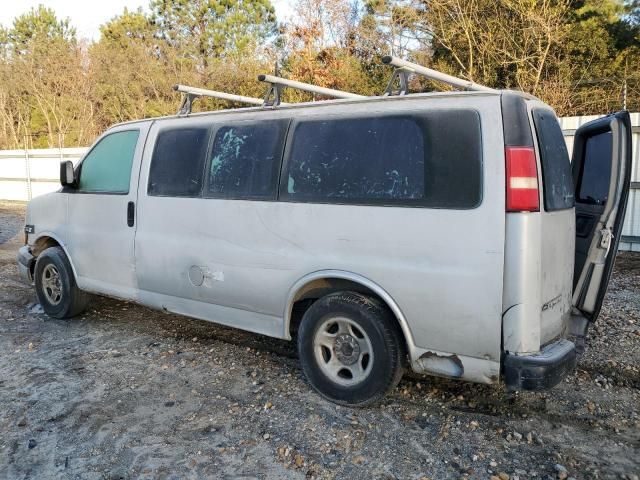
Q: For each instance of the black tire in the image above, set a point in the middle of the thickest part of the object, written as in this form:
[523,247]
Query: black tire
[384,338]
[71,300]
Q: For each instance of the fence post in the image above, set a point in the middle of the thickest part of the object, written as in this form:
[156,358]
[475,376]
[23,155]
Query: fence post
[27,168]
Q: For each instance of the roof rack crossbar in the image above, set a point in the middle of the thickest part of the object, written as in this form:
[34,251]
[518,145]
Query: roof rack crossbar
[435,75]
[191,93]
[307,87]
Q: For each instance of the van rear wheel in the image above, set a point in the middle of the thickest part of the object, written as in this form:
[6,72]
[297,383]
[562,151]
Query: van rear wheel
[56,287]
[350,348]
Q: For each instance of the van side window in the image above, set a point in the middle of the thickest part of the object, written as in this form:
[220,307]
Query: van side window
[177,165]
[596,170]
[107,167]
[245,160]
[557,178]
[430,159]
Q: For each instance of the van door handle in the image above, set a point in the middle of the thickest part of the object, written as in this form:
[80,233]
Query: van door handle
[131,213]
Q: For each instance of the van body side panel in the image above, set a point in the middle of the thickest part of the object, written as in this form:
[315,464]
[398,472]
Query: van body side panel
[522,288]
[539,251]
[538,273]
[557,245]
[442,267]
[558,241]
[270,325]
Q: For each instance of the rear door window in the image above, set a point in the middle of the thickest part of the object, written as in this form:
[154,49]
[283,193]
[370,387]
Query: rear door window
[107,167]
[177,165]
[595,178]
[556,168]
[245,160]
[429,159]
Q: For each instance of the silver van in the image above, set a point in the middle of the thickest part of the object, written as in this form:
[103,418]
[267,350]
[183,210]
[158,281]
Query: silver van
[447,232]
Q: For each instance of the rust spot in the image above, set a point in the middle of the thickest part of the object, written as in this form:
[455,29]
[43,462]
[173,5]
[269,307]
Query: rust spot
[445,365]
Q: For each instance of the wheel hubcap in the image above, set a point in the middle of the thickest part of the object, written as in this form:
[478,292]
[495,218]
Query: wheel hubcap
[347,349]
[51,285]
[343,351]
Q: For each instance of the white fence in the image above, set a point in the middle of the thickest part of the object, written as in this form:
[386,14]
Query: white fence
[25,174]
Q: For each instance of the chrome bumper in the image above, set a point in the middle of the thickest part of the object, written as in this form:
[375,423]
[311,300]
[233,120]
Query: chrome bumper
[25,264]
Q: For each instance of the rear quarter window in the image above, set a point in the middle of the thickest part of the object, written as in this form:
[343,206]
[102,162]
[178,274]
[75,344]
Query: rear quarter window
[430,159]
[557,178]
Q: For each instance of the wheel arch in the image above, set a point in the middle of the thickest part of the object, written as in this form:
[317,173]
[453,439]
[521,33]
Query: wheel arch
[323,282]
[46,240]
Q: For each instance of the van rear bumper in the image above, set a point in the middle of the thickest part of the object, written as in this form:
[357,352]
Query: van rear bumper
[542,370]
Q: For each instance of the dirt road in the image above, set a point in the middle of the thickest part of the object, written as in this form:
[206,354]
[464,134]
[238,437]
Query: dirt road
[127,392]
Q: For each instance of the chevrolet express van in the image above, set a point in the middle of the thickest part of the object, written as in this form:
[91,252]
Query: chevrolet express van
[447,232]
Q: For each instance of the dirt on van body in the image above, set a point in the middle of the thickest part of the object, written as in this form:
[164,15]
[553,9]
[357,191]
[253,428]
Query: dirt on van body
[126,392]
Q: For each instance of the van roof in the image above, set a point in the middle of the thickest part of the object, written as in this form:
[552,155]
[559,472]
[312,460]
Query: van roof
[340,101]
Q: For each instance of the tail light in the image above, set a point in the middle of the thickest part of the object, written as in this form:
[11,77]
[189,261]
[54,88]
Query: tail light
[522,180]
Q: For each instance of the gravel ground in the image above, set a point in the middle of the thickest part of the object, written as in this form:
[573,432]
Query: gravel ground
[127,392]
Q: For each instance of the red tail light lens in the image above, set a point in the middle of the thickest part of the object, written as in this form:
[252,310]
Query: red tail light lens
[522,180]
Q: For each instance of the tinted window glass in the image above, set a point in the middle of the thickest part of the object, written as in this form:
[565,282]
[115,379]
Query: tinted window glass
[431,159]
[596,169]
[245,160]
[556,167]
[178,162]
[107,167]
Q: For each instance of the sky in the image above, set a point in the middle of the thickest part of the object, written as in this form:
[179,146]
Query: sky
[87,15]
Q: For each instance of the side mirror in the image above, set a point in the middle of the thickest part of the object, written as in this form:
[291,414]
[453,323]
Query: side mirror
[67,175]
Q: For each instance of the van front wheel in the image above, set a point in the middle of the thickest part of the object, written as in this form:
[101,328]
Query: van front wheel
[56,286]
[350,348]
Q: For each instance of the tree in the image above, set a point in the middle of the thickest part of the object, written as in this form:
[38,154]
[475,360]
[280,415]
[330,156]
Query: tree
[205,29]
[38,27]
[321,46]
[555,49]
[121,92]
[580,56]
[393,27]
[44,86]
[129,27]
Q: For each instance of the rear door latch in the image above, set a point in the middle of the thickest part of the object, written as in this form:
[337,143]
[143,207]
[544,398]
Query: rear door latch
[605,239]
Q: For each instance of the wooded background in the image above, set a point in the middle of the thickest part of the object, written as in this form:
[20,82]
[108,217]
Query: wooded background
[56,90]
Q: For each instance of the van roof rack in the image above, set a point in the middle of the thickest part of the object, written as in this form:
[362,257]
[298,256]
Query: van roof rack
[273,94]
[191,93]
[398,85]
[404,68]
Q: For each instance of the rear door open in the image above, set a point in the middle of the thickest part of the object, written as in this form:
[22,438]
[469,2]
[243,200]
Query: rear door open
[601,166]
